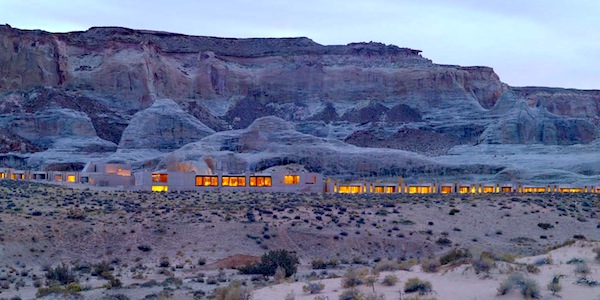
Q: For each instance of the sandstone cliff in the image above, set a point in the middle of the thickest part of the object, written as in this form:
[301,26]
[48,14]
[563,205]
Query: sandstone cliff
[88,91]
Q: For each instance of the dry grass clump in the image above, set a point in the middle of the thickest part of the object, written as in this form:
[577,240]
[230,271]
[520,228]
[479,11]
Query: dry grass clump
[390,280]
[528,287]
[234,291]
[354,277]
[416,285]
[387,265]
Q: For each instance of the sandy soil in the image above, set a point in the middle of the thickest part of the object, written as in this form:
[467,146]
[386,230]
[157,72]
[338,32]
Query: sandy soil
[43,225]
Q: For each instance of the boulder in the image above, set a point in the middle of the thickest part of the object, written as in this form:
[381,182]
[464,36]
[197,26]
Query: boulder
[162,126]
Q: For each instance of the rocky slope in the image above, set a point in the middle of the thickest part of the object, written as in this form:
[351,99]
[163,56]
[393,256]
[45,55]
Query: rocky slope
[100,84]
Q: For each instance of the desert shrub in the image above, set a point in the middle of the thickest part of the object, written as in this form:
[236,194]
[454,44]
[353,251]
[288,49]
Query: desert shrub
[454,255]
[545,226]
[313,287]
[513,280]
[532,269]
[354,277]
[575,260]
[528,287]
[387,265]
[415,284]
[201,261]
[271,260]
[234,291]
[374,296]
[484,263]
[164,262]
[582,269]
[443,241]
[430,265]
[390,280]
[351,294]
[144,248]
[597,252]
[319,264]
[70,289]
[290,296]
[102,270]
[554,285]
[61,274]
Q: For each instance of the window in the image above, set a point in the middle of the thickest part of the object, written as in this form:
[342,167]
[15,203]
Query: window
[160,188]
[291,179]
[70,178]
[534,190]
[463,190]
[350,189]
[2,175]
[207,181]
[507,189]
[233,181]
[160,177]
[260,180]
[419,190]
[488,189]
[378,189]
[571,190]
[58,178]
[446,189]
[311,179]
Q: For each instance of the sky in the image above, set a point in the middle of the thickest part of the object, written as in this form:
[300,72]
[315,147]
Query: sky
[553,43]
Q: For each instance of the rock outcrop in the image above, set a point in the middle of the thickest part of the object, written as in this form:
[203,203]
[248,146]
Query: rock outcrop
[88,91]
[56,129]
[163,126]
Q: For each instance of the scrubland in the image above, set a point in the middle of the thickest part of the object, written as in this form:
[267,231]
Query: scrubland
[92,244]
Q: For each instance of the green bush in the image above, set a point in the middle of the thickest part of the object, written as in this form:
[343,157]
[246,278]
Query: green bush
[430,265]
[313,287]
[270,261]
[234,291]
[528,287]
[354,277]
[390,280]
[554,285]
[415,284]
[454,255]
[387,265]
[61,274]
[351,294]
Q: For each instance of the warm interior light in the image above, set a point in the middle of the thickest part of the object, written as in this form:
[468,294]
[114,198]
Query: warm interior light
[160,188]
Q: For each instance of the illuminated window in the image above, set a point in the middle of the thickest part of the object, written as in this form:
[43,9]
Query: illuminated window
[419,189]
[291,179]
[207,181]
[70,178]
[350,189]
[534,190]
[160,188]
[488,189]
[570,190]
[12,176]
[58,178]
[463,190]
[507,189]
[446,189]
[260,180]
[233,181]
[2,175]
[160,177]
[390,189]
[378,189]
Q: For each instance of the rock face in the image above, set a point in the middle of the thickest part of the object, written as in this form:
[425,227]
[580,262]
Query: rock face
[90,90]
[163,126]
[56,129]
[271,141]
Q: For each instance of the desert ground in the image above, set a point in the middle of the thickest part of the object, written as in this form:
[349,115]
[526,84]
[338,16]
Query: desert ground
[142,245]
